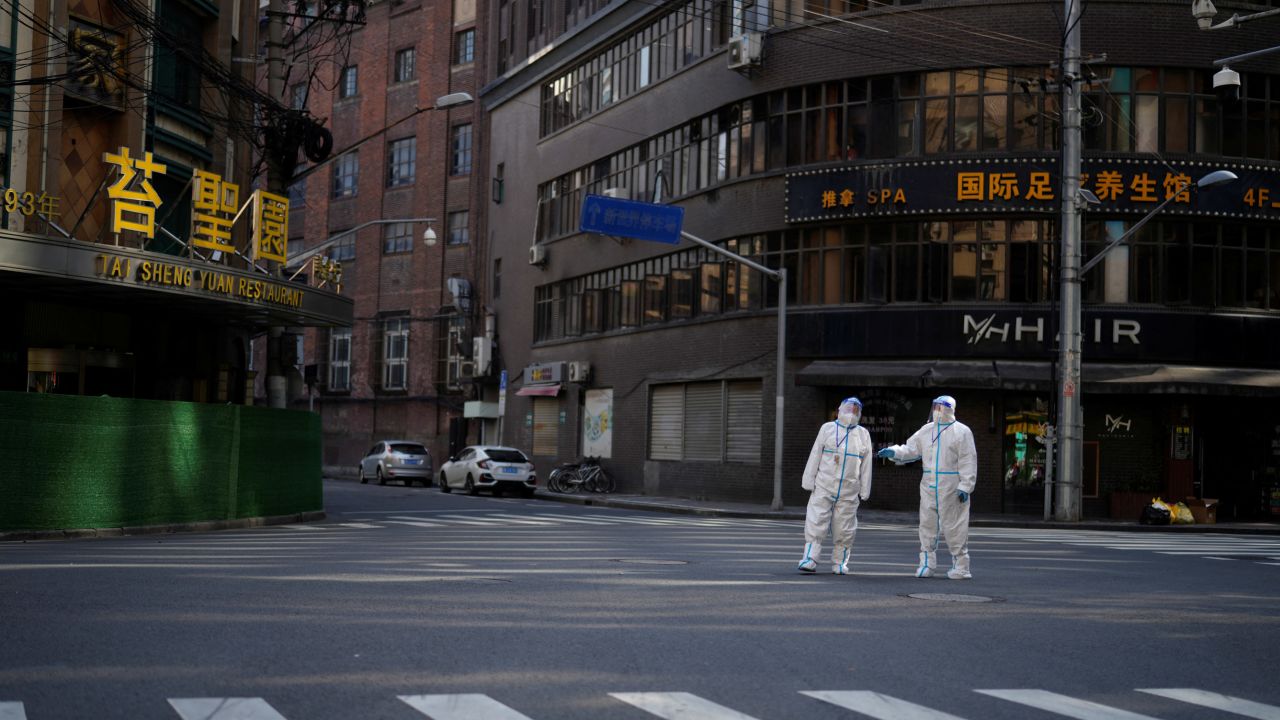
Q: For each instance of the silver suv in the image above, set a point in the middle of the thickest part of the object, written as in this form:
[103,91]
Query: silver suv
[397,460]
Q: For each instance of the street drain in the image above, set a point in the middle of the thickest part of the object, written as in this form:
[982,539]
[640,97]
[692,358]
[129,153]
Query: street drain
[637,561]
[952,597]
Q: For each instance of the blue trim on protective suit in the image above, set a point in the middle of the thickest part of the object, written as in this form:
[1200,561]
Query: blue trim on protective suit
[937,502]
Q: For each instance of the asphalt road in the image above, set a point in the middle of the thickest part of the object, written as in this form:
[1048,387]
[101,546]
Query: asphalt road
[407,603]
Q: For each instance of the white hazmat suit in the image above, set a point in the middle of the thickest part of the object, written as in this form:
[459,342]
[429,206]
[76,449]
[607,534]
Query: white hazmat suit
[950,459]
[839,476]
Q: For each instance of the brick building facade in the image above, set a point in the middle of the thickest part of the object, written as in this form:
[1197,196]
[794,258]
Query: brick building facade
[395,372]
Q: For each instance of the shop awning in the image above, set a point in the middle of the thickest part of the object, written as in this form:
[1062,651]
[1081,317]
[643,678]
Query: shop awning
[1037,376]
[545,390]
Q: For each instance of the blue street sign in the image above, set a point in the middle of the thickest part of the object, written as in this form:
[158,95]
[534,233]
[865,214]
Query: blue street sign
[628,218]
[502,382]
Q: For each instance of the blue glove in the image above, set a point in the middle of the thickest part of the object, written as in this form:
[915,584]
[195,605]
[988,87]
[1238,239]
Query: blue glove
[964,496]
[885,453]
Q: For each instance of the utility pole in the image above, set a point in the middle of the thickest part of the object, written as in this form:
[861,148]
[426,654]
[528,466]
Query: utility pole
[1070,423]
[277,382]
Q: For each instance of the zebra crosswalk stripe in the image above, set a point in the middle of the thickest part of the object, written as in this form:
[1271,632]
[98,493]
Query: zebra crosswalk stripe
[1225,703]
[461,707]
[1064,705]
[224,709]
[876,705]
[12,711]
[679,706]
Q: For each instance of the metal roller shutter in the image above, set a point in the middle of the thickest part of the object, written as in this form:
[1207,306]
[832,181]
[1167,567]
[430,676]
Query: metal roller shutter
[742,438]
[666,422]
[546,425]
[703,421]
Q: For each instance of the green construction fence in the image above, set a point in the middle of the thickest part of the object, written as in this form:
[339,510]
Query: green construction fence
[69,462]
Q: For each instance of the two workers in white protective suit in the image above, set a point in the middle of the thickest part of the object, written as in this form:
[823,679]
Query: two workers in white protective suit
[946,450]
[839,476]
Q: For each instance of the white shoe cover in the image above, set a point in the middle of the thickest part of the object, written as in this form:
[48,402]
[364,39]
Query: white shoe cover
[958,574]
[809,563]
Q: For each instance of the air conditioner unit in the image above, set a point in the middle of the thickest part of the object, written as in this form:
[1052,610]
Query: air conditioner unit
[481,353]
[466,369]
[579,371]
[745,50]
[537,255]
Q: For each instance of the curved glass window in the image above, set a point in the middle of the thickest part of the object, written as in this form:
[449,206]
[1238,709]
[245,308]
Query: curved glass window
[1006,260]
[1169,111]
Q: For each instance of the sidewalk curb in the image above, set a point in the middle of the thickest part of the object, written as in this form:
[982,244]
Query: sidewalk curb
[596,500]
[165,529]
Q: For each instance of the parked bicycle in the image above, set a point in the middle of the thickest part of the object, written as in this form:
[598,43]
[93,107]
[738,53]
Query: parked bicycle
[586,474]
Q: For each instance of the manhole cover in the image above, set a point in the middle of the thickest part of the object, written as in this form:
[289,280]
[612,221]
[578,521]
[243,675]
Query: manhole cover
[951,597]
[650,562]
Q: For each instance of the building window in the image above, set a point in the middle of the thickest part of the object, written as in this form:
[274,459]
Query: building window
[346,174]
[347,84]
[464,44]
[344,250]
[402,158]
[708,421]
[298,96]
[404,65]
[655,299]
[397,238]
[458,232]
[177,71]
[497,278]
[461,163]
[395,353]
[340,360]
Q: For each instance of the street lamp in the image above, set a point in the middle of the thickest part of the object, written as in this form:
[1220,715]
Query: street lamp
[1070,430]
[1204,12]
[300,257]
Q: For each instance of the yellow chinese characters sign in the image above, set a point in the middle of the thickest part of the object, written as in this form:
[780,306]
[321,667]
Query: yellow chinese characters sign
[133,200]
[214,203]
[1023,184]
[270,226]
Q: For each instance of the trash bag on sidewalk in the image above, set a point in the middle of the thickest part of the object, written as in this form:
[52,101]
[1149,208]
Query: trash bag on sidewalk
[1182,515]
[1157,513]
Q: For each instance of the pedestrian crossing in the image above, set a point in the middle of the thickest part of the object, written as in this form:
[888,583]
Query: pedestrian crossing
[1211,546]
[514,521]
[688,706]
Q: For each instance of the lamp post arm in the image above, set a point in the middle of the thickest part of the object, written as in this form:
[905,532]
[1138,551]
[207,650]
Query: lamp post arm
[1129,233]
[304,255]
[1249,55]
[1238,19]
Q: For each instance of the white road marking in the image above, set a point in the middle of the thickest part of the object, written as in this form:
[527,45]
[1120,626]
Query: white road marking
[12,711]
[461,707]
[1064,705]
[876,705]
[1225,703]
[224,709]
[680,706]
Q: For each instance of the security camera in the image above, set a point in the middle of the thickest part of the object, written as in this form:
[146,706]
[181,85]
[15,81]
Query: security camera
[1204,12]
[1226,83]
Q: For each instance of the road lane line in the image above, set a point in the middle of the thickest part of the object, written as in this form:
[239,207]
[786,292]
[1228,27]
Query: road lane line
[679,706]
[461,707]
[12,711]
[224,709]
[1225,703]
[1064,705]
[876,705]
